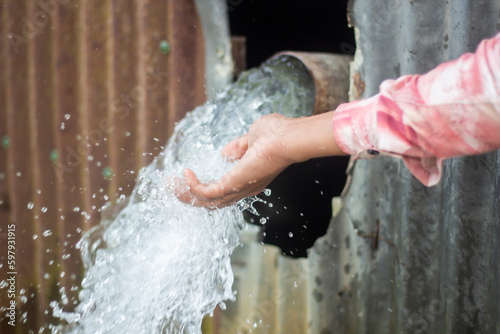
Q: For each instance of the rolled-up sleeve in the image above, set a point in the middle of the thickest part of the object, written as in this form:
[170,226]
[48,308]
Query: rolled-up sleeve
[453,110]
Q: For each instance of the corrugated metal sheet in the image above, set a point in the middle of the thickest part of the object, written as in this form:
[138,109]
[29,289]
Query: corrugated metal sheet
[404,258]
[271,290]
[88,94]
[218,55]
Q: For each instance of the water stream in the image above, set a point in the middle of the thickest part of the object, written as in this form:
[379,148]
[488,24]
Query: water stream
[160,266]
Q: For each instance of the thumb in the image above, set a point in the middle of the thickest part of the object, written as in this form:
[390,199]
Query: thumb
[236,148]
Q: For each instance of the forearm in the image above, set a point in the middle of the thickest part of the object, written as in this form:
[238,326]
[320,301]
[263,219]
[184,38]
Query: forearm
[311,137]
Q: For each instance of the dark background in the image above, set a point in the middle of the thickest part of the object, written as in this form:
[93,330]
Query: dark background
[301,195]
[300,25]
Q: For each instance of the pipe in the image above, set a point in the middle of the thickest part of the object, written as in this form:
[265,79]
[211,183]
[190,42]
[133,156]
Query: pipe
[330,73]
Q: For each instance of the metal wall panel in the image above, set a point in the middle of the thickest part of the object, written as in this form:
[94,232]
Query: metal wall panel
[413,259]
[88,95]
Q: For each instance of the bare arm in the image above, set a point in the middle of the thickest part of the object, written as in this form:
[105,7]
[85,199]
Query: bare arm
[273,143]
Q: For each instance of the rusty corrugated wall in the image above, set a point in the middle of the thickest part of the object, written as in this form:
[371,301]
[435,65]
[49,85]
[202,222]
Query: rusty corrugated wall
[404,258]
[89,92]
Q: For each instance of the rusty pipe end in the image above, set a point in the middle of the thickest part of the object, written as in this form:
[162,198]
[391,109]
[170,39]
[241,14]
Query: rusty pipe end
[330,73]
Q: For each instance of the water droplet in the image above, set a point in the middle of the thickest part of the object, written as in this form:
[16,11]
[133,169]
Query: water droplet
[63,126]
[35,236]
[18,174]
[267,192]
[290,235]
[47,233]
[67,116]
[31,205]
[263,221]
[76,209]
[44,209]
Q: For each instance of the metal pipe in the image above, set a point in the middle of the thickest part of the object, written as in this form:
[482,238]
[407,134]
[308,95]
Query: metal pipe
[330,73]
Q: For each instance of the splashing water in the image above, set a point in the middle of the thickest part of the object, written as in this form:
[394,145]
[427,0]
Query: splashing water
[160,266]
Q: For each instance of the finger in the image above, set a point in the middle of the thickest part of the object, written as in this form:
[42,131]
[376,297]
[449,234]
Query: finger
[184,194]
[201,194]
[236,148]
[190,178]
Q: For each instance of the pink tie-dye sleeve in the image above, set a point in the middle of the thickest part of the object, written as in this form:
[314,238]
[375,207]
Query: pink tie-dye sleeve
[453,110]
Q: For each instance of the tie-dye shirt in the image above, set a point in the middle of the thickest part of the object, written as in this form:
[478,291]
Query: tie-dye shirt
[453,110]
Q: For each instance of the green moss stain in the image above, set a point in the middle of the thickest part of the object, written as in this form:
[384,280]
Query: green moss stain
[107,173]
[164,47]
[6,142]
